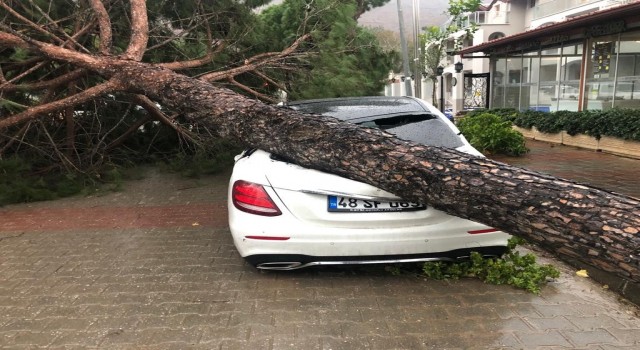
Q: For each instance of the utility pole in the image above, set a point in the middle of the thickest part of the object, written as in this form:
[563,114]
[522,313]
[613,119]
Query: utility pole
[405,54]
[417,52]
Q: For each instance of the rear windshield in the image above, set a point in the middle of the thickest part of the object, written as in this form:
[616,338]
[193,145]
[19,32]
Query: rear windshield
[423,128]
[345,109]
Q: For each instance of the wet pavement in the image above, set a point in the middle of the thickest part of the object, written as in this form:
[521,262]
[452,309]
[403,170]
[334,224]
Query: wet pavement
[598,169]
[154,267]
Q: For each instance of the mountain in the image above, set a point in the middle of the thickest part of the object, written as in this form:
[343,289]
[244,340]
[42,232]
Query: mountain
[432,13]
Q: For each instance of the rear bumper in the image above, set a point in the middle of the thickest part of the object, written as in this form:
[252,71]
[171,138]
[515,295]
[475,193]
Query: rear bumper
[298,261]
[285,236]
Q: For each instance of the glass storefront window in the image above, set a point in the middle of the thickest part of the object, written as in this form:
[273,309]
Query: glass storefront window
[498,88]
[550,52]
[569,88]
[570,68]
[627,89]
[512,84]
[530,79]
[569,50]
[601,67]
[549,78]
[572,49]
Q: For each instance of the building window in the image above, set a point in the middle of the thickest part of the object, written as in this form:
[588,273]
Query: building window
[496,35]
[613,72]
[498,86]
[569,88]
[513,82]
[601,67]
[627,89]
[467,41]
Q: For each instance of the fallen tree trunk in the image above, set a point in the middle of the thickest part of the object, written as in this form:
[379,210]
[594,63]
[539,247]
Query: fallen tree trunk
[573,221]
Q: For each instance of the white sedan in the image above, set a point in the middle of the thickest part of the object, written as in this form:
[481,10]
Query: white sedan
[283,216]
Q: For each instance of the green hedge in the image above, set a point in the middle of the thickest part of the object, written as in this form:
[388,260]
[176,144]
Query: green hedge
[617,122]
[490,133]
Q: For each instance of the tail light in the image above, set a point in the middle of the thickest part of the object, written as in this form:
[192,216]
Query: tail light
[486,230]
[252,198]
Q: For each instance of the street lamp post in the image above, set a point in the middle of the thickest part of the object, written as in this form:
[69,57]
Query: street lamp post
[458,68]
[440,71]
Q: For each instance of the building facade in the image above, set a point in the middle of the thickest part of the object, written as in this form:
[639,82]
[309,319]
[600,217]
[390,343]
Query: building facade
[554,55]
[493,21]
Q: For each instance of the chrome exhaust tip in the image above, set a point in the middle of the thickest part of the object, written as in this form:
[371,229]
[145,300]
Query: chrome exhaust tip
[280,266]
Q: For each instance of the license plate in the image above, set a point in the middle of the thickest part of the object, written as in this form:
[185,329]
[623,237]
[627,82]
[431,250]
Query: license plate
[355,205]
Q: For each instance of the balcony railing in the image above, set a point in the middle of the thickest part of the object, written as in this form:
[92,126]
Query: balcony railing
[557,6]
[484,17]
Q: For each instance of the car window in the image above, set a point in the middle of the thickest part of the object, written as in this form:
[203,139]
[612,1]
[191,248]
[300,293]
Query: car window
[423,128]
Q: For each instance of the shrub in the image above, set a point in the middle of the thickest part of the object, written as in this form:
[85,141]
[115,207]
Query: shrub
[489,133]
[217,156]
[22,181]
[507,114]
[617,122]
[19,185]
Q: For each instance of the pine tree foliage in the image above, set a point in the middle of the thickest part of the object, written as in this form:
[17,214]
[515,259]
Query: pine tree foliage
[350,60]
[226,42]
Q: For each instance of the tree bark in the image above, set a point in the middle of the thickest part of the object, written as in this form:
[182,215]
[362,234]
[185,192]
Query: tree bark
[576,222]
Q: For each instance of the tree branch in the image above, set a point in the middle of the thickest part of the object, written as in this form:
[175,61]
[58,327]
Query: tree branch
[60,80]
[12,139]
[263,59]
[139,31]
[194,63]
[60,155]
[11,38]
[252,92]
[27,72]
[56,26]
[104,23]
[175,35]
[270,81]
[29,23]
[81,97]
[125,135]
[156,113]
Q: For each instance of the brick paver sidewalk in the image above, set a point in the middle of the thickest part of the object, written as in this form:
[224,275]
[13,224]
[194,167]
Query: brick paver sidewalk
[619,174]
[153,267]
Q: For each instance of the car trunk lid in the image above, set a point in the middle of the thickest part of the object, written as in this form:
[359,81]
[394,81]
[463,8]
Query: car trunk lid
[305,193]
